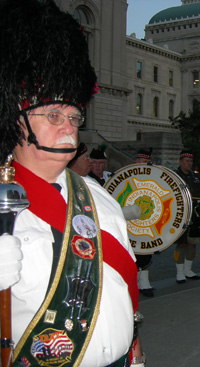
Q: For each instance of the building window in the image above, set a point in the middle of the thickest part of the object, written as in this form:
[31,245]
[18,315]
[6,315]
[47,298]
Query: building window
[139,135]
[195,79]
[81,16]
[139,70]
[171,78]
[171,109]
[139,104]
[155,106]
[155,74]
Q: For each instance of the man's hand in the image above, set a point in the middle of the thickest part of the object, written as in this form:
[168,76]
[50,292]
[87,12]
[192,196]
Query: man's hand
[10,261]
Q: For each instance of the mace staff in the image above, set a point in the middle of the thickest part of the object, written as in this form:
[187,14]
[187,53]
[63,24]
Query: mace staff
[12,201]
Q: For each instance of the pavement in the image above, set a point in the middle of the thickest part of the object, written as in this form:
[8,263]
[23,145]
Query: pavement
[170,332]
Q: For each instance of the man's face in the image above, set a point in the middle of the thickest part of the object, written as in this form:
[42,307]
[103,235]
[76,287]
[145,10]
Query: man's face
[84,164]
[143,160]
[186,164]
[98,166]
[53,136]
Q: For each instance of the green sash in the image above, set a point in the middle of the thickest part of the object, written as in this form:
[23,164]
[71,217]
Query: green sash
[59,333]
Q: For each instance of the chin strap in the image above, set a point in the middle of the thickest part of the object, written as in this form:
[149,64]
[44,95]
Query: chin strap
[56,150]
[33,140]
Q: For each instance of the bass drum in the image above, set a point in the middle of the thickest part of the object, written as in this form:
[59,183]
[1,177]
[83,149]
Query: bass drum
[164,200]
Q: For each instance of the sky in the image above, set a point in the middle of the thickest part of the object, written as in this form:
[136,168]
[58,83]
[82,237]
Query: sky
[141,11]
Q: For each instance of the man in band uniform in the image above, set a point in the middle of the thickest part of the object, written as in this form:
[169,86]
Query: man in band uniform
[81,163]
[69,263]
[185,251]
[99,164]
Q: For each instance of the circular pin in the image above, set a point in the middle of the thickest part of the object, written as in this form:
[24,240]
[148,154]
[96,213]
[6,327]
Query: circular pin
[87,208]
[84,226]
[69,324]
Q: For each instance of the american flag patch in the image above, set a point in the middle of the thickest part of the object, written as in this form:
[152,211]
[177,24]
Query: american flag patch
[52,347]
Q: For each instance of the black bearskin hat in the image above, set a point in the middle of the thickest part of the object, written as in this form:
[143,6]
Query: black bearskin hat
[43,59]
[186,153]
[99,153]
[144,153]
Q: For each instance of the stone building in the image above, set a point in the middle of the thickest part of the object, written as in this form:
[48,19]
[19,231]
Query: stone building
[154,76]
[178,29]
[141,82]
[104,22]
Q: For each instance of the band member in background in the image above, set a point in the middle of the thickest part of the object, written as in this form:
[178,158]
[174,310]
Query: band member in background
[69,263]
[81,163]
[185,251]
[144,261]
[99,164]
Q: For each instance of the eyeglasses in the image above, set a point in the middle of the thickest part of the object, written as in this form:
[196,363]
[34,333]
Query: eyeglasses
[57,118]
[98,163]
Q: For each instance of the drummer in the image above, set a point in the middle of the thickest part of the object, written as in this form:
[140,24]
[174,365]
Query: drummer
[185,251]
[144,261]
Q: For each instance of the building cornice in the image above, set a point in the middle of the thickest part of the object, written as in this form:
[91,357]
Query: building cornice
[171,23]
[146,46]
[190,58]
[152,124]
[115,91]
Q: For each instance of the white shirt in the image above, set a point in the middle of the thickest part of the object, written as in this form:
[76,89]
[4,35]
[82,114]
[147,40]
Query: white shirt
[113,331]
[106,175]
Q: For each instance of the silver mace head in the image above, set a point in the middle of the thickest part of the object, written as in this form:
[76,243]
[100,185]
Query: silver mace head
[12,197]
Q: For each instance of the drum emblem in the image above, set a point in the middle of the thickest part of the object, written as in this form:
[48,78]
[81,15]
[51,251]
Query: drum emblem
[155,209]
[146,205]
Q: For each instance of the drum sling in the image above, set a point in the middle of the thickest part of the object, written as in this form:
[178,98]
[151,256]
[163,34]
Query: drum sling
[60,331]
